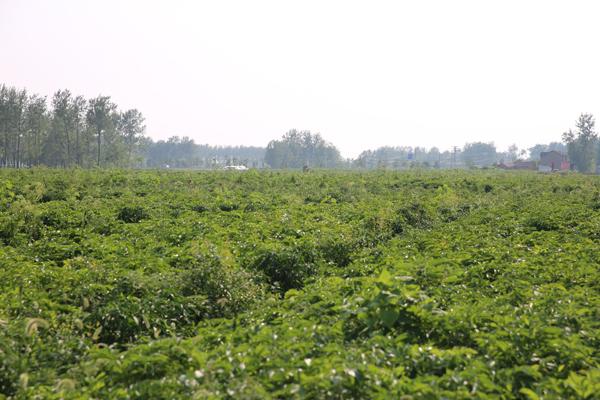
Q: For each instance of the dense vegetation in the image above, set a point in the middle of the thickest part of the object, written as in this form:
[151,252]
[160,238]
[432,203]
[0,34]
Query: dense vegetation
[185,285]
[73,131]
[298,149]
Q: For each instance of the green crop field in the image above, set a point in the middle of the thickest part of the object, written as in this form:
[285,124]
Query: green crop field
[427,285]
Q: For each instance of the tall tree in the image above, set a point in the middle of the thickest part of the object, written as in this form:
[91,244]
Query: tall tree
[581,143]
[101,121]
[131,127]
[513,152]
[20,113]
[37,122]
[77,117]
[57,148]
[479,154]
[13,104]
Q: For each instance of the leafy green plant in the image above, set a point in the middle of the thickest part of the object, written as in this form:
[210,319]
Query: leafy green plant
[193,284]
[286,268]
[132,214]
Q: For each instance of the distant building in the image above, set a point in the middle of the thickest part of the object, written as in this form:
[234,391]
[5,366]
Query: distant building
[553,161]
[518,164]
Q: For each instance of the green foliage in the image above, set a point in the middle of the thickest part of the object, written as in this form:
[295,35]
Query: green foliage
[414,216]
[132,214]
[73,131]
[227,289]
[286,268]
[582,144]
[479,154]
[423,284]
[298,149]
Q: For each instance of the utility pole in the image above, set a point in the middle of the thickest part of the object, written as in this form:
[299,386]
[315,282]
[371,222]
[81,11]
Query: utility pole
[454,149]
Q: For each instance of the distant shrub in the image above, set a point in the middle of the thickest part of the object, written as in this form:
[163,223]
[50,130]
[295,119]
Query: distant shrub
[20,223]
[391,305]
[228,290]
[542,223]
[132,214]
[98,222]
[228,207]
[415,216]
[449,214]
[200,208]
[337,251]
[125,318]
[137,306]
[372,231]
[286,268]
[8,229]
[55,191]
[60,216]
[33,191]
[595,201]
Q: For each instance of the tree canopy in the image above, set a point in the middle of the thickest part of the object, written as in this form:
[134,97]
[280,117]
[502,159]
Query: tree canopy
[70,131]
[297,149]
[479,154]
[581,143]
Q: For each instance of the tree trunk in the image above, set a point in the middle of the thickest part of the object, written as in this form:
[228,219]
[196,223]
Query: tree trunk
[78,150]
[18,154]
[99,139]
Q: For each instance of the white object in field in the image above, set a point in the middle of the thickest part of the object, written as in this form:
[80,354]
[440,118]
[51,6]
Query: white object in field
[544,168]
[235,168]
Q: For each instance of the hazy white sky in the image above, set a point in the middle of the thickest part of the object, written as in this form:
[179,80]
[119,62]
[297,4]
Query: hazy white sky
[363,74]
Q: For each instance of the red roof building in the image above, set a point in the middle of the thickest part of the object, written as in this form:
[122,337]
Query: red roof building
[554,161]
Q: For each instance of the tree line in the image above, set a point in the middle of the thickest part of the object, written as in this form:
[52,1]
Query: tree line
[72,131]
[66,130]
[297,149]
[183,152]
